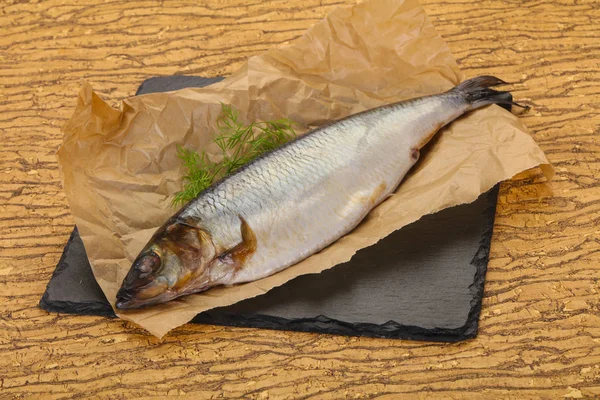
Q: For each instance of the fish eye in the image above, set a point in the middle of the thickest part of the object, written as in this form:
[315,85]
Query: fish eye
[147,263]
[144,268]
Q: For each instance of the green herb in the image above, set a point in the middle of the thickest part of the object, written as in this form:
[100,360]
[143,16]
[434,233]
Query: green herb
[239,144]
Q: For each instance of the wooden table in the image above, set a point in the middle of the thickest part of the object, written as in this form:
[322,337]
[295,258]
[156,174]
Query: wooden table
[540,324]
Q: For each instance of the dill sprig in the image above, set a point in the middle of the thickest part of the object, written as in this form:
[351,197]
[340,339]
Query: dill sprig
[238,143]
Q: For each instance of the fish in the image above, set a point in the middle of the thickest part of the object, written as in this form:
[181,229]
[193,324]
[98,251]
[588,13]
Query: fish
[296,200]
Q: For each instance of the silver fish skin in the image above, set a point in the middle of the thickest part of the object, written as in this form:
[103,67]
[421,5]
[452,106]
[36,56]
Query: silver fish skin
[295,200]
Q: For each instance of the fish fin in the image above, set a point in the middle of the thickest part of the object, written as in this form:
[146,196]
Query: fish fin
[239,254]
[365,199]
[480,82]
[376,194]
[477,93]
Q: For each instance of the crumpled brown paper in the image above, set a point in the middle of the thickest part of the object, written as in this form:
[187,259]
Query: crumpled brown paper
[120,168]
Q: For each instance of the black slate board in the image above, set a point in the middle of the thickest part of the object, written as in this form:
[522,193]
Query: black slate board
[424,282]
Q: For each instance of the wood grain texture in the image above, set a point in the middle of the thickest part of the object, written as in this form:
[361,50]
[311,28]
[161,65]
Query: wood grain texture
[540,324]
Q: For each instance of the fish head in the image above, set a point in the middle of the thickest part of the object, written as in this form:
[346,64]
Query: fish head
[174,263]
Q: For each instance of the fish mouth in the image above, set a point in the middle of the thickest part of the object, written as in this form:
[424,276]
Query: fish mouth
[126,300]
[129,302]
[134,298]
[137,297]
[130,299]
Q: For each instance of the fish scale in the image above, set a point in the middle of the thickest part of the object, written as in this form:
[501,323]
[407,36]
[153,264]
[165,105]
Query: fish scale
[295,200]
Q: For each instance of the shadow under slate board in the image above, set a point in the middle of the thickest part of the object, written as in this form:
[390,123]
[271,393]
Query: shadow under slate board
[424,282]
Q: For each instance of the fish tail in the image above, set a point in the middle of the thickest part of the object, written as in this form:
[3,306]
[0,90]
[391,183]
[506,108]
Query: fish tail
[477,93]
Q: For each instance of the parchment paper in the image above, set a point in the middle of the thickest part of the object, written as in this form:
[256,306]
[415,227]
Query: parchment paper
[120,168]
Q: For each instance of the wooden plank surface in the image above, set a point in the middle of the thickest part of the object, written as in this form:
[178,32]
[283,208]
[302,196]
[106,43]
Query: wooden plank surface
[540,324]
